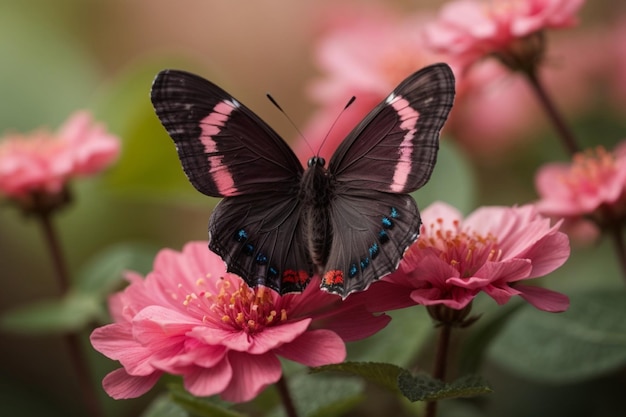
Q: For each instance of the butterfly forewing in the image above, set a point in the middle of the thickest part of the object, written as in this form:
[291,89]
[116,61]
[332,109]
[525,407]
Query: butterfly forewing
[394,148]
[225,149]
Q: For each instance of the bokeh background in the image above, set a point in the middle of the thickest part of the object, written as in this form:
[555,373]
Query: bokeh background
[56,57]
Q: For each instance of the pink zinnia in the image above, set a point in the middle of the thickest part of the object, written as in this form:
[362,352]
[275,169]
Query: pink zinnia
[593,184]
[492,250]
[190,317]
[43,162]
[472,29]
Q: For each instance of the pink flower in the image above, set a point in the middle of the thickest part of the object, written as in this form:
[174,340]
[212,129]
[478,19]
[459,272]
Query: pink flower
[491,250]
[471,29]
[593,184]
[43,162]
[364,54]
[190,317]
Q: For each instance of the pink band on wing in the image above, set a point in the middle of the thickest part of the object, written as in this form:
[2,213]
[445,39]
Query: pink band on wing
[408,122]
[212,126]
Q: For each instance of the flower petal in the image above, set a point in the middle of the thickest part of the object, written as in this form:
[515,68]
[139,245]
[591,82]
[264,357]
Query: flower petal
[120,385]
[203,382]
[251,374]
[543,298]
[315,348]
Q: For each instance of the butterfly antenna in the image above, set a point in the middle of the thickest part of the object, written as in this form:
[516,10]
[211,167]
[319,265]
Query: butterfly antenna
[348,104]
[275,103]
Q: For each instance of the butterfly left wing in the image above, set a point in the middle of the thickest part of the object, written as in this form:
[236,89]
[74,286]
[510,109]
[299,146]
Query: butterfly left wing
[228,151]
[390,153]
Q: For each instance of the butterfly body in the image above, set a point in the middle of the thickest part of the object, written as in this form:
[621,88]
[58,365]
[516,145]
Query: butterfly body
[349,221]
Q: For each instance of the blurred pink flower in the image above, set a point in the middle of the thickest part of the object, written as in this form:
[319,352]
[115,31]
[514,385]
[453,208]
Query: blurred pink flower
[190,317]
[491,250]
[472,29]
[593,184]
[364,53]
[43,162]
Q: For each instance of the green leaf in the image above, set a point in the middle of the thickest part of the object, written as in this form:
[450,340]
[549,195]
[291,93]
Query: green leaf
[322,395]
[68,314]
[200,406]
[164,406]
[383,374]
[452,172]
[103,273]
[482,334]
[422,387]
[399,342]
[586,341]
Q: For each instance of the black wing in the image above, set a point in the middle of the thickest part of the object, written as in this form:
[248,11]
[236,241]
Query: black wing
[228,151]
[225,148]
[390,153]
[394,148]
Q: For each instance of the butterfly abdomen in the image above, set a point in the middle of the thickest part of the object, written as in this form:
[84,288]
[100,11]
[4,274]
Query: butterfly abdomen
[316,191]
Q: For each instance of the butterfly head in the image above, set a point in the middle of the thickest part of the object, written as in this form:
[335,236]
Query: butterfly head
[316,161]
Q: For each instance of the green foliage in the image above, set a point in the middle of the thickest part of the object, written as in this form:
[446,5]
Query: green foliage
[103,273]
[70,313]
[84,304]
[586,341]
[452,172]
[382,374]
[415,388]
[322,395]
[398,342]
[423,387]
[198,406]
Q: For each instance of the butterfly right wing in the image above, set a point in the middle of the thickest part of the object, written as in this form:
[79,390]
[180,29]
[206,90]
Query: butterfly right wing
[225,149]
[228,151]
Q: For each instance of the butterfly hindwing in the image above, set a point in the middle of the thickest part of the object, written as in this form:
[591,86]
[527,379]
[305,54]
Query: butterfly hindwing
[371,232]
[394,148]
[260,238]
[225,149]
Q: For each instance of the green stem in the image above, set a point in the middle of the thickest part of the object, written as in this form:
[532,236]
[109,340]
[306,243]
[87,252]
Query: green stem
[73,340]
[285,396]
[565,133]
[441,362]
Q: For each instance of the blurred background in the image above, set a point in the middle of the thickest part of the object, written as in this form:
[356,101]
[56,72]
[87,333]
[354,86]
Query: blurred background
[60,56]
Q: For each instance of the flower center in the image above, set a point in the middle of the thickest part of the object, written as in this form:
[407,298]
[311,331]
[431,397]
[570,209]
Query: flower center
[466,250]
[235,304]
[590,170]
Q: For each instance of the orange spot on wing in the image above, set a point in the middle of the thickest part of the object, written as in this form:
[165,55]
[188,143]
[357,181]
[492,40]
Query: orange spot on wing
[333,277]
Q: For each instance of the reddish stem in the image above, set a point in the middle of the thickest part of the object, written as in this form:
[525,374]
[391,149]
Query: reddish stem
[285,395]
[565,133]
[441,362]
[72,340]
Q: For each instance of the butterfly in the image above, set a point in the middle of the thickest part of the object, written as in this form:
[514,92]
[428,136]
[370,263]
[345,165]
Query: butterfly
[278,223]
